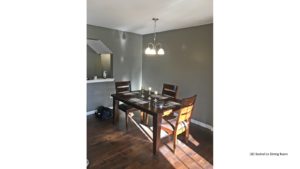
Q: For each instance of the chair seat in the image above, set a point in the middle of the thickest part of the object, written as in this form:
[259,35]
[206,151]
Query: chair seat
[170,117]
[126,108]
[169,124]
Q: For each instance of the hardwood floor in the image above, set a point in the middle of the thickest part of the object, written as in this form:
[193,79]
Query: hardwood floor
[110,146]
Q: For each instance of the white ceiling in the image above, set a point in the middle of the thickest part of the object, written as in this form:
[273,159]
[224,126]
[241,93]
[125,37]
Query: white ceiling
[136,15]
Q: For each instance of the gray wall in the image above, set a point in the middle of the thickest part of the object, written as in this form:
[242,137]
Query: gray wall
[127,63]
[93,61]
[188,62]
[99,94]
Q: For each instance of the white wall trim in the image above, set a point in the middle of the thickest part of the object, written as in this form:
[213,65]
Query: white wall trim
[90,112]
[100,80]
[94,111]
[202,124]
[207,126]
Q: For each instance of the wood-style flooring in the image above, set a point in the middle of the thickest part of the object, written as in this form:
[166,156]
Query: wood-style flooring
[111,146]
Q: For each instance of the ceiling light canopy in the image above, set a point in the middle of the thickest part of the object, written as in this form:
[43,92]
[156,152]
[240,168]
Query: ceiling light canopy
[154,48]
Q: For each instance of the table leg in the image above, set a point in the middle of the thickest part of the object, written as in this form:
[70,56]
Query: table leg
[115,109]
[156,132]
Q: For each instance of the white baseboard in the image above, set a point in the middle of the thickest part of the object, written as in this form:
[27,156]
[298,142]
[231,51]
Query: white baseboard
[192,120]
[207,126]
[90,112]
[94,111]
[202,124]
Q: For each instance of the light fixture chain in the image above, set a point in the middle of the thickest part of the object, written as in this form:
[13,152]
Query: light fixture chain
[155,30]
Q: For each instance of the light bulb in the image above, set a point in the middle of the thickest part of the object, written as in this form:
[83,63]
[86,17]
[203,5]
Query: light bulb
[148,50]
[161,51]
[152,52]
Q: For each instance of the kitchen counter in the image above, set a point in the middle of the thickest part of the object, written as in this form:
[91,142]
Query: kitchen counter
[100,80]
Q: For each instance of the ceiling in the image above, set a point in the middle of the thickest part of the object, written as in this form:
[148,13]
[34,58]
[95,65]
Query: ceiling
[136,15]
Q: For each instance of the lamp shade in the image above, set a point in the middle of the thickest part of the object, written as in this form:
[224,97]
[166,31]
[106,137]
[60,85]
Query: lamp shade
[152,51]
[148,51]
[160,51]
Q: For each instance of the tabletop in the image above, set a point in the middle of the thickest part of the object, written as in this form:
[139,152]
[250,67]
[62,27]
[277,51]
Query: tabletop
[148,102]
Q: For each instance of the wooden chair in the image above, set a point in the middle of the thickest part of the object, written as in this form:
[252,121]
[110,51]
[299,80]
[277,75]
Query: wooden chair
[123,87]
[181,123]
[168,90]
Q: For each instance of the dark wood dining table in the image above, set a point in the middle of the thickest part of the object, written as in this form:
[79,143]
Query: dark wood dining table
[141,101]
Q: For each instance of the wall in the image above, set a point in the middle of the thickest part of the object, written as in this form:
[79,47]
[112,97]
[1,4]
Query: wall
[99,94]
[127,63]
[188,62]
[93,61]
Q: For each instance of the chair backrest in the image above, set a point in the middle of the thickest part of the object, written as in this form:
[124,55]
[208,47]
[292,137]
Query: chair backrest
[123,86]
[170,90]
[185,113]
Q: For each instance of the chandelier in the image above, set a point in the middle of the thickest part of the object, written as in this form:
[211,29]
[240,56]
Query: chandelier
[154,48]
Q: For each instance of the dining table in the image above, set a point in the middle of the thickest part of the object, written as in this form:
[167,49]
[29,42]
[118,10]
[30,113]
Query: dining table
[156,105]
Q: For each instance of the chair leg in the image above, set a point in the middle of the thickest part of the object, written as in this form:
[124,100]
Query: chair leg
[174,143]
[147,119]
[187,134]
[142,117]
[126,120]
